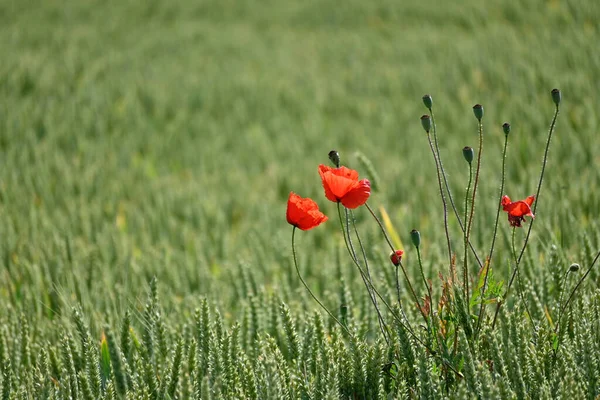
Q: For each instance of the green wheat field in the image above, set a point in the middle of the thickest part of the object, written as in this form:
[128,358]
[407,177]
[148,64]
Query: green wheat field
[147,151]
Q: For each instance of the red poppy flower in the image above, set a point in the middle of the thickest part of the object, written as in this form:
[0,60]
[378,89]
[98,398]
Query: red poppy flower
[342,185]
[518,210]
[303,213]
[396,257]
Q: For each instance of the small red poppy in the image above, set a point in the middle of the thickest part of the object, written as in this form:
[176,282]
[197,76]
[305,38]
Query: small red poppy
[396,257]
[342,186]
[303,213]
[518,210]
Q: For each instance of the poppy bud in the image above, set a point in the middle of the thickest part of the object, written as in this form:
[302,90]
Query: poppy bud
[334,157]
[506,128]
[396,257]
[468,154]
[426,122]
[428,101]
[556,96]
[415,236]
[574,267]
[478,111]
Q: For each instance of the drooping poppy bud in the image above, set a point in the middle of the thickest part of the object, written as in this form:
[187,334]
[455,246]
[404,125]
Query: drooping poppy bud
[506,128]
[478,111]
[426,122]
[428,101]
[334,157]
[415,236]
[556,96]
[468,154]
[396,257]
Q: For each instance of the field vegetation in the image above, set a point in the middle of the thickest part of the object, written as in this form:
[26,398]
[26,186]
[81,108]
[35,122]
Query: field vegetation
[147,151]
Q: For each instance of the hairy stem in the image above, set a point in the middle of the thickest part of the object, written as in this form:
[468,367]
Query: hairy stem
[443,172]
[437,168]
[308,289]
[489,259]
[537,197]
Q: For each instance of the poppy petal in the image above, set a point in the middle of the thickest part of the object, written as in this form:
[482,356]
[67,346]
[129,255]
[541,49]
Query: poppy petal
[358,195]
[346,173]
[303,213]
[519,209]
[529,200]
[505,201]
[336,184]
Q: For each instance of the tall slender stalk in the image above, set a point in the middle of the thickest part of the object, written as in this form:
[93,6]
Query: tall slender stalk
[308,289]
[465,237]
[381,320]
[437,168]
[519,284]
[563,309]
[506,128]
[447,186]
[431,322]
[537,197]
[408,283]
[475,185]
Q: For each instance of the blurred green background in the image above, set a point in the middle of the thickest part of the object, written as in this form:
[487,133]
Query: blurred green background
[142,139]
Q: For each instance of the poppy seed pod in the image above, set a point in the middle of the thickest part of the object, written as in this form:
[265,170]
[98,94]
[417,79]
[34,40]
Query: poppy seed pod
[428,101]
[426,122]
[506,128]
[574,267]
[478,111]
[415,236]
[468,154]
[334,157]
[556,97]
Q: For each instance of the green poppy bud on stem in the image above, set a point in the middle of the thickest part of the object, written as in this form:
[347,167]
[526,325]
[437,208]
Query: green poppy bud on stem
[334,157]
[574,267]
[478,111]
[426,122]
[428,101]
[506,128]
[415,236]
[468,154]
[556,96]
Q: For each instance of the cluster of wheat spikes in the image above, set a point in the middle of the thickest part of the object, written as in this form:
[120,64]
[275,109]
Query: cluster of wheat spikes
[461,344]
[272,354]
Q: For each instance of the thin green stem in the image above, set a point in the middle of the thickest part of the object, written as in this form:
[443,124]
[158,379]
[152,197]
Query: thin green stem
[308,289]
[389,242]
[385,235]
[489,259]
[574,290]
[465,237]
[535,204]
[382,324]
[430,323]
[363,274]
[475,185]
[423,276]
[437,168]
[519,284]
[443,172]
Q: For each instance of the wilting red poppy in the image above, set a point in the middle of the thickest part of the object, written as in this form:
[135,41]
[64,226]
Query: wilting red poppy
[396,257]
[303,213]
[518,210]
[342,185]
